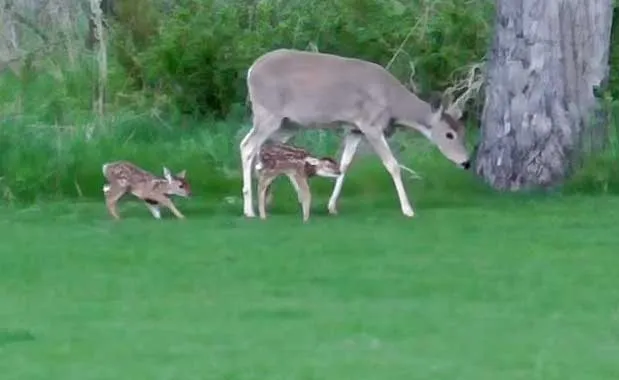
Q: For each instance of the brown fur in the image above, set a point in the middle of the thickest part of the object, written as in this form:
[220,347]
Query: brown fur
[124,177]
[298,165]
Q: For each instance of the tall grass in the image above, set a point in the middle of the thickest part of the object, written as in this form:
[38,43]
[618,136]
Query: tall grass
[43,161]
[40,158]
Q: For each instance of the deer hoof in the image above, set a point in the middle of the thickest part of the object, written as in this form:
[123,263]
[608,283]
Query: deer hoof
[409,213]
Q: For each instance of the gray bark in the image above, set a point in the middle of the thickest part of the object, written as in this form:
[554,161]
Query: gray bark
[9,44]
[547,58]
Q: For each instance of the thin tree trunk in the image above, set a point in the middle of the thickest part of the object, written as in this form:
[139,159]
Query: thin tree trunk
[101,46]
[109,13]
[547,58]
[9,44]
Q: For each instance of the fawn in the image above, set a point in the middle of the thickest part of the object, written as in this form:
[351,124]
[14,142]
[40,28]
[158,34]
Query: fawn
[298,164]
[124,177]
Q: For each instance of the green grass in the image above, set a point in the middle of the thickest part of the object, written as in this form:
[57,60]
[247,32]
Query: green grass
[485,288]
[476,287]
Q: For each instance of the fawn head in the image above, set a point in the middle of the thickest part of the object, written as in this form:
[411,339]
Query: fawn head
[177,185]
[322,167]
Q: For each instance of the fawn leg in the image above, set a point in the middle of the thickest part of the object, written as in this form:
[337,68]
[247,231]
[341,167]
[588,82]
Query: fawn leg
[153,207]
[282,136]
[112,194]
[264,185]
[295,184]
[269,196]
[303,193]
[165,201]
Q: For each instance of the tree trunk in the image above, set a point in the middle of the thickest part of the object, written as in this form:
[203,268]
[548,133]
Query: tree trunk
[9,44]
[101,48]
[108,8]
[547,58]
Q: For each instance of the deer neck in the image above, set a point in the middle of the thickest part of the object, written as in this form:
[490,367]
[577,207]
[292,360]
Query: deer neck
[160,185]
[410,111]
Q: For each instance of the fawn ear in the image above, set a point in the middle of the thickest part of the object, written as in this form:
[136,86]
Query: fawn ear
[310,169]
[329,159]
[182,174]
[312,161]
[167,174]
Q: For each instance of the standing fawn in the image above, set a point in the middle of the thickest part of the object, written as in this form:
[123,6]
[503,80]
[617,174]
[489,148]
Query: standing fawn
[124,177]
[298,165]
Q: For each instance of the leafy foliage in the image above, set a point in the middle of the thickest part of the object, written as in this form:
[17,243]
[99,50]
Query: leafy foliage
[204,47]
[176,89]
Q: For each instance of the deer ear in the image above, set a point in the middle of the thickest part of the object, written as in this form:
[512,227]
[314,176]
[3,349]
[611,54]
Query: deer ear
[436,102]
[455,111]
[182,174]
[310,169]
[312,161]
[167,174]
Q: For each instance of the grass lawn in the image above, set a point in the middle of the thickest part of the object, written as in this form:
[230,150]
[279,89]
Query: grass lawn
[495,289]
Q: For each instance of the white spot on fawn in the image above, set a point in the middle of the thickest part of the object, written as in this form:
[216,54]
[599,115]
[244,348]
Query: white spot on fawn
[106,188]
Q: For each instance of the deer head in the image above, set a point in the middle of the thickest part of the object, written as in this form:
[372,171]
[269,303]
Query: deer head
[322,167]
[177,185]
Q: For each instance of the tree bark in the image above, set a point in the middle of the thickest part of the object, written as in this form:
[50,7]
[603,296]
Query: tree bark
[108,9]
[547,59]
[101,47]
[9,44]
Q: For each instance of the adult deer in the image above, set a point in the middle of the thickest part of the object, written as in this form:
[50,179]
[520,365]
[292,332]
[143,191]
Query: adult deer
[291,89]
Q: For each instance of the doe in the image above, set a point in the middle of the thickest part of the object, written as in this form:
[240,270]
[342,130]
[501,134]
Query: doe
[291,90]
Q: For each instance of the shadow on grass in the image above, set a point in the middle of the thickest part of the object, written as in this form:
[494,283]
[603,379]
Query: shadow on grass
[15,336]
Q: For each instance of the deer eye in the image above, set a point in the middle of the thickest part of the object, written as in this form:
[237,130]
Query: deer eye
[449,135]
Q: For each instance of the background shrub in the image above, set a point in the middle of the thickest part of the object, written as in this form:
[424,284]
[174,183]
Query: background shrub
[204,47]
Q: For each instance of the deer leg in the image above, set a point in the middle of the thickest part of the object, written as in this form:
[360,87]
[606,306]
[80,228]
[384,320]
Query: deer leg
[112,194]
[304,194]
[281,136]
[380,146]
[269,196]
[247,157]
[264,125]
[167,202]
[295,184]
[264,183]
[351,143]
[153,207]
